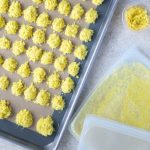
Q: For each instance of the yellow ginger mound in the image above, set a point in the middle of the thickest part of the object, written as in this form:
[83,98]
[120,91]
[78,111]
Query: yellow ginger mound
[137,18]
[73,69]
[54,81]
[39,36]
[18,47]
[30,92]
[64,7]
[58,24]
[66,47]
[67,85]
[5,110]
[51,4]
[10,64]
[24,70]
[72,30]
[15,9]
[80,52]
[30,14]
[4,82]
[39,75]
[47,58]
[43,20]
[12,27]
[44,126]
[77,12]
[26,32]
[17,88]
[97,2]
[1,60]
[91,15]
[4,43]
[86,35]
[43,98]
[58,102]
[24,118]
[54,40]
[38,1]
[34,53]
[61,63]
[4,5]
[2,21]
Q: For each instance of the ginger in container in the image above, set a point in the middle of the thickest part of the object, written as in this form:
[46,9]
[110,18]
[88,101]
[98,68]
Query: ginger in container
[137,18]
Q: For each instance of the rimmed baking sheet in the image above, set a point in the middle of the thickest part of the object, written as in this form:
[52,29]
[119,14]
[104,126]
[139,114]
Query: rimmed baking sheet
[59,117]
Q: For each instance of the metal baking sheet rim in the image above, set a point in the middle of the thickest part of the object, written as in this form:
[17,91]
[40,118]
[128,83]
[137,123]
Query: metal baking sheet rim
[53,146]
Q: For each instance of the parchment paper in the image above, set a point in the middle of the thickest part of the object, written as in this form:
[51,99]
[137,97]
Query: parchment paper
[19,102]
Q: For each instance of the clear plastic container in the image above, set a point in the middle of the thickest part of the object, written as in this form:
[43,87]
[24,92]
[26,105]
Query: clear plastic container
[139,3]
[101,134]
[133,55]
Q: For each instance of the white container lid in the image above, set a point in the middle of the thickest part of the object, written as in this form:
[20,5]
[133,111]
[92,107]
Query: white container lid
[102,134]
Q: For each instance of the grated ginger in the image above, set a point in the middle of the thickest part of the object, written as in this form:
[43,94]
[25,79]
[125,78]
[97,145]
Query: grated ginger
[137,18]
[5,110]
[26,32]
[47,58]
[86,35]
[61,63]
[24,70]
[34,53]
[43,98]
[4,82]
[80,52]
[64,7]
[38,1]
[43,20]
[54,81]
[10,64]
[4,5]
[4,43]
[24,118]
[30,14]
[51,4]
[67,85]
[30,92]
[58,102]
[97,2]
[58,24]
[12,27]
[15,9]
[2,21]
[72,30]
[18,47]
[1,60]
[54,40]
[66,47]
[39,36]
[18,88]
[44,126]
[91,15]
[73,69]
[39,75]
[77,12]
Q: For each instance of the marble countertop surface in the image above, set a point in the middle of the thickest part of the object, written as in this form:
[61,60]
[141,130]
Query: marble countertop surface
[117,40]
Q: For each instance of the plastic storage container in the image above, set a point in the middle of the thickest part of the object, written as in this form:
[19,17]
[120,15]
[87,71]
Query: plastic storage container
[101,134]
[131,56]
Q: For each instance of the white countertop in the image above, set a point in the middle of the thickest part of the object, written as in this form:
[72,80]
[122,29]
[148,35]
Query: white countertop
[116,41]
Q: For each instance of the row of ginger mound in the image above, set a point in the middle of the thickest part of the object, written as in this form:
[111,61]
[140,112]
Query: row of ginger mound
[25,119]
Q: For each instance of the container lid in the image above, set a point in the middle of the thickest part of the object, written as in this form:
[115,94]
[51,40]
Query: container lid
[102,134]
